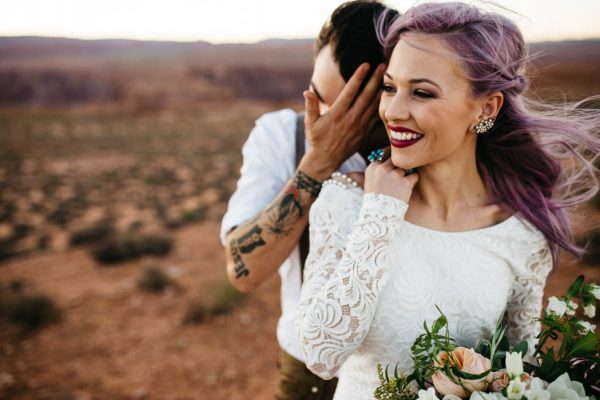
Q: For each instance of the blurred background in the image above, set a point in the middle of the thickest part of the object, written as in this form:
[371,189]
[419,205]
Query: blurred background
[121,125]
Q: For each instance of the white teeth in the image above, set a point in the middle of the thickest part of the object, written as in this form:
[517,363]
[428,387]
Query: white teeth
[405,135]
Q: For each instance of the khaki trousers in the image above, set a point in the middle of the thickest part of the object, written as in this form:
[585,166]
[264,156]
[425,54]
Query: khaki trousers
[296,382]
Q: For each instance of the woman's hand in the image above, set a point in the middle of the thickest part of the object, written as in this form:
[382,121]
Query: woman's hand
[383,177]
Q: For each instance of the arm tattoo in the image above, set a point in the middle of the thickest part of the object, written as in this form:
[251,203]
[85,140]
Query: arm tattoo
[240,268]
[285,212]
[251,240]
[305,182]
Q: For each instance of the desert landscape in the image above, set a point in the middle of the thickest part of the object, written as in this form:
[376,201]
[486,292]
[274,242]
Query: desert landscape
[117,159]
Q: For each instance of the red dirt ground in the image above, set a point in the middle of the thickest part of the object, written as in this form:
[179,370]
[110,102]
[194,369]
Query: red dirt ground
[117,342]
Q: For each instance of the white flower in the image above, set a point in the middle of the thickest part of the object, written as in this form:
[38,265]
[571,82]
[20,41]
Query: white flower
[595,290]
[589,310]
[565,389]
[484,396]
[428,394]
[514,364]
[587,326]
[572,307]
[451,397]
[537,390]
[515,389]
[556,306]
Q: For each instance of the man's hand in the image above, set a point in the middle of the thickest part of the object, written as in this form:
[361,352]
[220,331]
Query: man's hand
[336,135]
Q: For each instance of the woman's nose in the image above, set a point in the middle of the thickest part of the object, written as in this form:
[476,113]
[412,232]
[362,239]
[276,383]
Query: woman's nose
[397,109]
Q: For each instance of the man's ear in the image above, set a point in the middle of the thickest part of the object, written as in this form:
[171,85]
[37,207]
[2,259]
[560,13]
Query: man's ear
[491,106]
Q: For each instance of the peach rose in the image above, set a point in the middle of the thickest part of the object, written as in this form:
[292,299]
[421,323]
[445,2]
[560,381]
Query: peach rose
[500,380]
[466,360]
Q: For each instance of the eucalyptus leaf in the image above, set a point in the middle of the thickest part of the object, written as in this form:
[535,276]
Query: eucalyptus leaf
[465,375]
[575,287]
[584,345]
[521,347]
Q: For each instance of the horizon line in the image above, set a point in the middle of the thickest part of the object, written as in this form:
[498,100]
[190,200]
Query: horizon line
[108,38]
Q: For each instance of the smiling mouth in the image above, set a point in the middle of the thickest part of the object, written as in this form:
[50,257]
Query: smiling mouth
[405,139]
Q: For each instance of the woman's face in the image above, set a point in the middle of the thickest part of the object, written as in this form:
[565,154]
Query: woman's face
[426,105]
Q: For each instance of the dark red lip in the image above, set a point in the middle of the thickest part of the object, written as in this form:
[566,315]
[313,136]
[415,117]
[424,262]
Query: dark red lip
[401,129]
[403,143]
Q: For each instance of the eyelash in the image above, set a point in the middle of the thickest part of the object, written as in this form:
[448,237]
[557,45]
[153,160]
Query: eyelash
[417,92]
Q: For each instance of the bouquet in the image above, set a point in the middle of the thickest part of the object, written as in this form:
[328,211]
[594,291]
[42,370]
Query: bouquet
[495,370]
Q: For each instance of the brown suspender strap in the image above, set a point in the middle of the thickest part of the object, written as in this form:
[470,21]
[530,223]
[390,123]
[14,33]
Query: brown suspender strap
[304,239]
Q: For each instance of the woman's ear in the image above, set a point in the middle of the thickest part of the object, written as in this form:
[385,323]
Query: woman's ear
[491,106]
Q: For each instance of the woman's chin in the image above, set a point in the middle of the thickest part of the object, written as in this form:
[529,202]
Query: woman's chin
[403,163]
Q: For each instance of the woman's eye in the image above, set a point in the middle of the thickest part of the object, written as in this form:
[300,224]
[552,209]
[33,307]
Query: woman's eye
[423,94]
[387,88]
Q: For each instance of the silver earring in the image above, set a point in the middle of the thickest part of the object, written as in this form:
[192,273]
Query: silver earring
[484,126]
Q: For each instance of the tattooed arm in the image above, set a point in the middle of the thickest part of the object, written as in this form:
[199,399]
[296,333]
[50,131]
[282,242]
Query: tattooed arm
[255,249]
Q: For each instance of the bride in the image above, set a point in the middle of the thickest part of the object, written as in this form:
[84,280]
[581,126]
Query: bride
[474,230]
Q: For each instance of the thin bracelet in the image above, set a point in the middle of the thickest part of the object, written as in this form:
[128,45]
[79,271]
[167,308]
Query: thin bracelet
[341,180]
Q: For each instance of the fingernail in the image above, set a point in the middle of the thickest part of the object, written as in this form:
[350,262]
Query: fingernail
[365,68]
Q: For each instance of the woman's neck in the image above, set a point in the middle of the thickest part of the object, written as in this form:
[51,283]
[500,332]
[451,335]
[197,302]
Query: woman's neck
[451,187]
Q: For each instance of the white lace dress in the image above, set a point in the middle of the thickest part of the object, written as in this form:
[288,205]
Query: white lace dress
[371,279]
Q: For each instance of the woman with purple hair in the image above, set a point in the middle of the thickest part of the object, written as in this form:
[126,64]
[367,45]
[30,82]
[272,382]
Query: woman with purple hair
[466,212]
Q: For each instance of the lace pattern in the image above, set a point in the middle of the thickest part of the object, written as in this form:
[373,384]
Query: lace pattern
[344,273]
[371,279]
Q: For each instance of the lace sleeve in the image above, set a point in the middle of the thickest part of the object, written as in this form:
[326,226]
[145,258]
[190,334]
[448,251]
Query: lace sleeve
[344,274]
[526,297]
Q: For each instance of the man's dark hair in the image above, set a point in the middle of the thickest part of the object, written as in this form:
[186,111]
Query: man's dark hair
[350,31]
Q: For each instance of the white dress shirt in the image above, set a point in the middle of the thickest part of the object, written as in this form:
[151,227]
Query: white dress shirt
[269,162]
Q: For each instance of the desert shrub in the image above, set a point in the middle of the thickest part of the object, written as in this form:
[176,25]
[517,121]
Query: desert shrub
[154,279]
[132,245]
[220,299]
[225,299]
[91,233]
[6,249]
[61,214]
[195,215]
[196,312]
[29,310]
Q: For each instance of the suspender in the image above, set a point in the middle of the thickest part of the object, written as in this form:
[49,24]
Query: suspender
[304,239]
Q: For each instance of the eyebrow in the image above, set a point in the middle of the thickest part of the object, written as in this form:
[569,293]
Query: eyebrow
[420,80]
[314,88]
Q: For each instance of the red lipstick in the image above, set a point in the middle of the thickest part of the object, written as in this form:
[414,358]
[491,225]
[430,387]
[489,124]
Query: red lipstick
[399,143]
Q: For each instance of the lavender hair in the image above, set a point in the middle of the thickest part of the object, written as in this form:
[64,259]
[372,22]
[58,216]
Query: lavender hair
[538,159]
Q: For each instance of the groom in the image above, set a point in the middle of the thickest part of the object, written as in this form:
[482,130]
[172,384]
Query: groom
[265,228]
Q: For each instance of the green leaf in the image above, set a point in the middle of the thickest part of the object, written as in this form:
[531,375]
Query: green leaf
[521,347]
[575,287]
[504,344]
[465,375]
[439,324]
[584,345]
[547,365]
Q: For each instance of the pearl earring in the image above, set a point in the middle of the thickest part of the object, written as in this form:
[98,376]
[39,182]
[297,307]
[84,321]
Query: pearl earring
[484,126]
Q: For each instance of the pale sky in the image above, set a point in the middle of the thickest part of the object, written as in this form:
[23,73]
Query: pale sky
[220,21]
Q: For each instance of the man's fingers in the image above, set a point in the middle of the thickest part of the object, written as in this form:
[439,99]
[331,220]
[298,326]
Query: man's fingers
[370,92]
[370,114]
[345,98]
[311,107]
